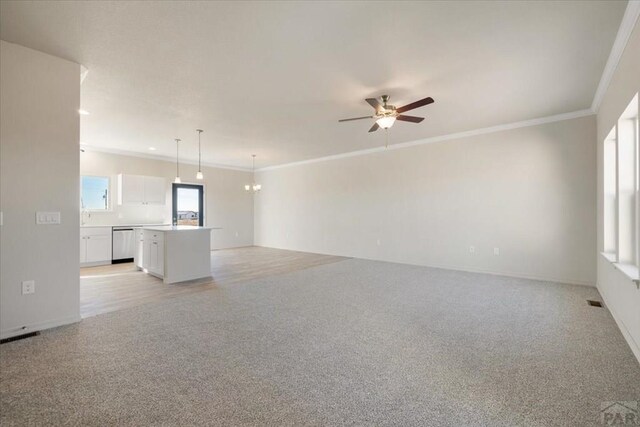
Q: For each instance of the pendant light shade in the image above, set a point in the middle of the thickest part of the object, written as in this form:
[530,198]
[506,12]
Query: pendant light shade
[177,180]
[253,186]
[199,175]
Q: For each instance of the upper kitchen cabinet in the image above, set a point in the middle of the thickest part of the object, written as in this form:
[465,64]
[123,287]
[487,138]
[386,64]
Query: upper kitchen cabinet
[155,190]
[141,190]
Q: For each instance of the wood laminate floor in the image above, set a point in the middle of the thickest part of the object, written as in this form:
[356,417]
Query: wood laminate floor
[115,287]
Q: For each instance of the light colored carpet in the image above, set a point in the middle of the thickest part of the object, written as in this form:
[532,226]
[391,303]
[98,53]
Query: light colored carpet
[354,342]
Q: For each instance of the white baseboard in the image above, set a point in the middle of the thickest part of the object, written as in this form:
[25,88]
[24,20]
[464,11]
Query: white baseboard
[635,347]
[40,326]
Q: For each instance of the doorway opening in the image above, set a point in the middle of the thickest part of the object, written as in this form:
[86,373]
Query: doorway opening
[188,204]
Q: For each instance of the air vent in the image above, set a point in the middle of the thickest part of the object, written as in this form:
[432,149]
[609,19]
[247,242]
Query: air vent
[20,337]
[594,303]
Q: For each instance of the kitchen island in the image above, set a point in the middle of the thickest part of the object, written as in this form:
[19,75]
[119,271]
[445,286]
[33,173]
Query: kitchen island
[174,253]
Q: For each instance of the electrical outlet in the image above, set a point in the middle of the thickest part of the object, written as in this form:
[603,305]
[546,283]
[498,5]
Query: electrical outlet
[472,249]
[496,251]
[237,234]
[378,242]
[28,287]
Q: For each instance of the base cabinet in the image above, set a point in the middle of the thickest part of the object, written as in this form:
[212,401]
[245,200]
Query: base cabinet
[153,252]
[95,246]
[175,254]
[138,256]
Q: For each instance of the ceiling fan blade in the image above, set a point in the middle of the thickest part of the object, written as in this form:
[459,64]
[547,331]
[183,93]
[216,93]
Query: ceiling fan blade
[417,104]
[375,104]
[374,128]
[356,118]
[412,119]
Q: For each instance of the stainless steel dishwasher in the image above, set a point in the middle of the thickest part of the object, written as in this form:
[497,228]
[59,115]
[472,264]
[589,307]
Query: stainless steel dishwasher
[124,244]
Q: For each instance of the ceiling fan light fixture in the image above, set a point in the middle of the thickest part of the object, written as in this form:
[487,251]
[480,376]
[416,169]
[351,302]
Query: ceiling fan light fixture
[386,122]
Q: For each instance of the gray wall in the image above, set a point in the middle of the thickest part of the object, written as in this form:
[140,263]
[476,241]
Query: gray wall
[621,295]
[227,204]
[528,191]
[39,148]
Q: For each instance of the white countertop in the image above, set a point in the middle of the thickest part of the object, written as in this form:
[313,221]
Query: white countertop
[125,225]
[177,228]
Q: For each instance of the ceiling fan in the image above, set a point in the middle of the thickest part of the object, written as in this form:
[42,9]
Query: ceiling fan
[387,114]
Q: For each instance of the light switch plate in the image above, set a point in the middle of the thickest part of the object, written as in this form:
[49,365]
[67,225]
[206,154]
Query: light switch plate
[28,287]
[47,218]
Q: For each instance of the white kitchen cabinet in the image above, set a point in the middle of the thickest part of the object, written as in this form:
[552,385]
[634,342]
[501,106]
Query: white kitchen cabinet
[177,253]
[153,252]
[130,189]
[95,246]
[155,190]
[138,256]
[141,190]
[156,263]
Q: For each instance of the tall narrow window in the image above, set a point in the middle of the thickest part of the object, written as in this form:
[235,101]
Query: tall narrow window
[188,204]
[610,199]
[628,184]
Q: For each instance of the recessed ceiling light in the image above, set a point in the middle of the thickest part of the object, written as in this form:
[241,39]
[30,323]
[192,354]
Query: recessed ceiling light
[152,148]
[83,112]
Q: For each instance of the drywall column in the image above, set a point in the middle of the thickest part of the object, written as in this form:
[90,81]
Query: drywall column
[39,172]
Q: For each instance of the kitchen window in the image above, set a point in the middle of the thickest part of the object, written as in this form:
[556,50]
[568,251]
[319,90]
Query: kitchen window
[95,193]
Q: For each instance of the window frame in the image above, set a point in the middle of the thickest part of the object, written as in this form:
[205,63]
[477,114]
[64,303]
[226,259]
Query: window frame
[630,267]
[109,207]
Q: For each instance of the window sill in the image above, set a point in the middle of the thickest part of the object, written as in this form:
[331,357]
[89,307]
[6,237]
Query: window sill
[629,270]
[98,211]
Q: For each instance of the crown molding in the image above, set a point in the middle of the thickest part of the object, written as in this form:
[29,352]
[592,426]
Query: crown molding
[629,19]
[482,131]
[158,157]
[627,25]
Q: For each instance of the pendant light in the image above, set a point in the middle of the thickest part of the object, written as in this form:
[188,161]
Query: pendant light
[199,175]
[253,186]
[177,180]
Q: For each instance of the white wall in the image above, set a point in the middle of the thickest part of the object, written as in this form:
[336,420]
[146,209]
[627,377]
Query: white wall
[620,294]
[227,204]
[39,146]
[528,191]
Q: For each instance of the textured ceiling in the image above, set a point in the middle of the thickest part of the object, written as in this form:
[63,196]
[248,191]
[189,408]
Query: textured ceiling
[273,78]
